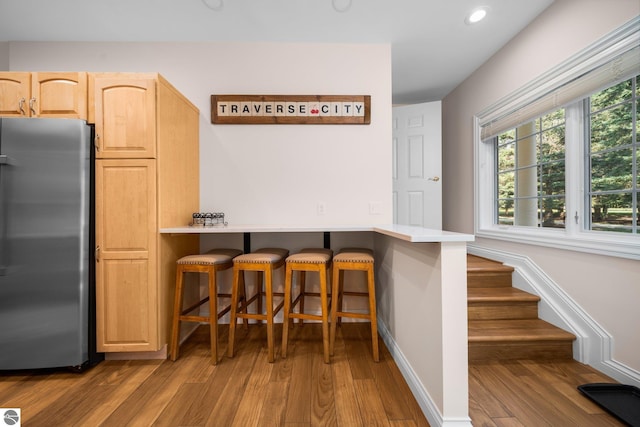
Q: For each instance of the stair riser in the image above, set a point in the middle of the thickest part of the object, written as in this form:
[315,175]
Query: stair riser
[488,280]
[500,311]
[520,350]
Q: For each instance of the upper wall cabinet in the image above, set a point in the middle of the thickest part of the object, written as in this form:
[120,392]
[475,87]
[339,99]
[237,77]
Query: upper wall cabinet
[48,94]
[123,108]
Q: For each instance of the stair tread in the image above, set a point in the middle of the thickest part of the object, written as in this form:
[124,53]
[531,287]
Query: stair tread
[516,330]
[476,264]
[499,294]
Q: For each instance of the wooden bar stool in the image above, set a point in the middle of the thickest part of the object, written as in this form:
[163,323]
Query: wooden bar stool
[358,259]
[210,263]
[264,262]
[307,260]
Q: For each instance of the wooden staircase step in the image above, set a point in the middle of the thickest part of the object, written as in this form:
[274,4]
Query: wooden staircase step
[484,273]
[501,303]
[518,339]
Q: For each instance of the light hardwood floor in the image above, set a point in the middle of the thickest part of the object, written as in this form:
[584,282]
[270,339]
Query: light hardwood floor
[297,391]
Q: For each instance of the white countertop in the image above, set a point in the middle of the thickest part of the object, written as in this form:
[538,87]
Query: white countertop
[402,232]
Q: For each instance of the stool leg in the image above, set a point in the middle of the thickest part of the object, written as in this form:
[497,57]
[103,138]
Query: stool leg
[287,308]
[213,314]
[340,293]
[302,276]
[372,313]
[334,307]
[232,312]
[325,313]
[269,301]
[177,309]
[242,289]
[259,286]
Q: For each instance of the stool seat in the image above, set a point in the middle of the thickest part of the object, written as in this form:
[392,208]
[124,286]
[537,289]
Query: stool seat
[263,256]
[307,260]
[263,261]
[311,256]
[209,263]
[354,255]
[214,256]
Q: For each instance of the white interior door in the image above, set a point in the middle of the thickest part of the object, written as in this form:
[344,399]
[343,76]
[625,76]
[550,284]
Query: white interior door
[417,165]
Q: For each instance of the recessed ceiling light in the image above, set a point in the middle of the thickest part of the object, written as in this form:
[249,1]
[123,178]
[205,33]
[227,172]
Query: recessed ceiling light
[477,15]
[216,5]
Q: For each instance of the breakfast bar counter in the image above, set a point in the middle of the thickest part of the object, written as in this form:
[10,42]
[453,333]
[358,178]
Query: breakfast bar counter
[421,293]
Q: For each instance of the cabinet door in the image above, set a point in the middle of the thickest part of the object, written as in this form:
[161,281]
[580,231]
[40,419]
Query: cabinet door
[125,117]
[126,247]
[62,95]
[14,94]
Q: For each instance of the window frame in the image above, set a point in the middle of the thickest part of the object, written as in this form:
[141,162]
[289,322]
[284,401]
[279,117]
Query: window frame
[574,236]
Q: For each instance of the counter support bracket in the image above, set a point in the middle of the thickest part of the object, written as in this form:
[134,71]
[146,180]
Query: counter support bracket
[247,243]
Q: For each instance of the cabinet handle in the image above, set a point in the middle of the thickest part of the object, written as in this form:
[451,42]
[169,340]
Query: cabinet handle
[98,253]
[32,101]
[21,106]
[96,142]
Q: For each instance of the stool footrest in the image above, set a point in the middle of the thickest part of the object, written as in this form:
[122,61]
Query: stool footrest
[259,316]
[354,315]
[356,294]
[305,316]
[194,319]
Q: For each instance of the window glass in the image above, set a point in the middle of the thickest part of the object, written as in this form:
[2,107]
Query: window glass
[612,177]
[506,156]
[531,173]
[552,179]
[553,212]
[612,127]
[612,212]
[612,96]
[505,211]
[611,170]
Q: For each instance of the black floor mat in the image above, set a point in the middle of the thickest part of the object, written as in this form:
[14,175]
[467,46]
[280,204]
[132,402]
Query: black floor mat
[622,401]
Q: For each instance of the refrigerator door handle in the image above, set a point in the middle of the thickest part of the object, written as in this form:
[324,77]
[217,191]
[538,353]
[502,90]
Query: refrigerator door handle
[4,160]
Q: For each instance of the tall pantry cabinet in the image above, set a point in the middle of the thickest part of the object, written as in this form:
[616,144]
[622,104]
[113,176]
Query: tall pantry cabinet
[147,178]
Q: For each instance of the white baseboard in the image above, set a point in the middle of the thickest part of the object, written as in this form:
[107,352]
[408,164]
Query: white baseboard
[428,406]
[593,345]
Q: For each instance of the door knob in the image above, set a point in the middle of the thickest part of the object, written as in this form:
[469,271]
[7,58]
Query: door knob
[435,179]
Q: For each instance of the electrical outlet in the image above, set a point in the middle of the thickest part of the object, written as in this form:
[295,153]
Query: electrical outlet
[375,208]
[321,208]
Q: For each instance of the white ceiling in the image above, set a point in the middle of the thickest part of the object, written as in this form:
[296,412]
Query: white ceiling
[433,50]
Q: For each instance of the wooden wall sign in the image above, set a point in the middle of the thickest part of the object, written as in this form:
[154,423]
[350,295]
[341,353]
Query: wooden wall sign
[291,109]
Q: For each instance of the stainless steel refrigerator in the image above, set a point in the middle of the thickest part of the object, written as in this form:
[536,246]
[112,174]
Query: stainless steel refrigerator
[47,300]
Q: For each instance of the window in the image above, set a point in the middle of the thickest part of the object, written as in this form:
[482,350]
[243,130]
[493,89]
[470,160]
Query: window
[612,178]
[557,162]
[531,173]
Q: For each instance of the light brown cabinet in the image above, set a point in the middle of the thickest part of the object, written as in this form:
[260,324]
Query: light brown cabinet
[147,174]
[126,249]
[43,94]
[124,112]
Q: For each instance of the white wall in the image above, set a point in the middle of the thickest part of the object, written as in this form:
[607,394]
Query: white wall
[4,55]
[271,174]
[607,288]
